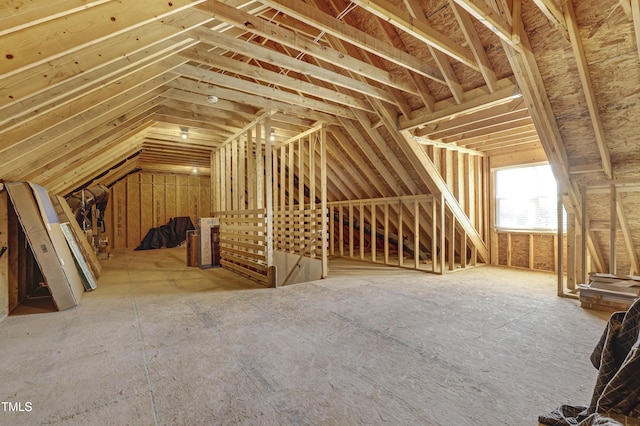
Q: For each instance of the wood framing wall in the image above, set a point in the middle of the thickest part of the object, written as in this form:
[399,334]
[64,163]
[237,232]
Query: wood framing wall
[4,260]
[300,196]
[143,201]
[270,196]
[537,251]
[466,174]
[243,201]
[416,231]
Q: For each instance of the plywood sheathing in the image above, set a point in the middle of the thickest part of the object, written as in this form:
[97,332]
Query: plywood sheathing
[559,72]
[599,212]
[631,205]
[544,252]
[610,48]
[520,250]
[613,65]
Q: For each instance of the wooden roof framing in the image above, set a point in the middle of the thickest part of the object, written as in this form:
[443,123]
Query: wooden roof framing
[97,89]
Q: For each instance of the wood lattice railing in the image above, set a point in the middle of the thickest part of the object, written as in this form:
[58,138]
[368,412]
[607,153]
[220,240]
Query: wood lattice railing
[243,247]
[295,231]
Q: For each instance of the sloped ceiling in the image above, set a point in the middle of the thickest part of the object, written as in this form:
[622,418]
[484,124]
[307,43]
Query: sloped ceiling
[94,90]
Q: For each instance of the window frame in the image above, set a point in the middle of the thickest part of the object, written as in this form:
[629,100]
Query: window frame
[514,229]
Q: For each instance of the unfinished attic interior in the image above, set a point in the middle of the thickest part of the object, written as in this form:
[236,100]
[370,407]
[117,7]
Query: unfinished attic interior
[383,158]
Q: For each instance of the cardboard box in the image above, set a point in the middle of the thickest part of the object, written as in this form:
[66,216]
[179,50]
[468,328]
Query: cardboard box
[42,229]
[204,225]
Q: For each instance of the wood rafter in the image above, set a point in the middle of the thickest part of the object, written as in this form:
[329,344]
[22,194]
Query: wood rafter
[474,100]
[627,235]
[635,13]
[471,35]
[201,55]
[264,54]
[552,12]
[587,87]
[350,50]
[339,29]
[490,18]
[479,118]
[418,28]
[259,26]
[255,89]
[417,14]
[100,59]
[412,97]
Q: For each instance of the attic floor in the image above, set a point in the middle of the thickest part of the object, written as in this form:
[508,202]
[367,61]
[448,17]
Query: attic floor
[162,344]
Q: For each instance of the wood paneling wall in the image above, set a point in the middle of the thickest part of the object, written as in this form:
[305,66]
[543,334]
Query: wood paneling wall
[143,201]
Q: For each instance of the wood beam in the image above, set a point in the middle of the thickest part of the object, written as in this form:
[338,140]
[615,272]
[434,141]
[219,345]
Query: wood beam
[14,18]
[203,90]
[613,230]
[201,55]
[473,40]
[55,136]
[86,172]
[256,89]
[473,100]
[635,12]
[111,54]
[552,12]
[431,176]
[88,82]
[264,28]
[627,235]
[176,93]
[489,17]
[587,87]
[429,142]
[352,35]
[51,39]
[418,29]
[12,133]
[77,149]
[264,54]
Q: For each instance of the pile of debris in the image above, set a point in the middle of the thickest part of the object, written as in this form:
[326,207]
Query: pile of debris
[609,291]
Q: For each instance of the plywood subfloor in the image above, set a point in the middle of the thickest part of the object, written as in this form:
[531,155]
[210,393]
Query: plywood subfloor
[161,344]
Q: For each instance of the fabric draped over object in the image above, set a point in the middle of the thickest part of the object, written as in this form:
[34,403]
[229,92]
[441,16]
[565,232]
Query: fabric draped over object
[616,395]
[170,235]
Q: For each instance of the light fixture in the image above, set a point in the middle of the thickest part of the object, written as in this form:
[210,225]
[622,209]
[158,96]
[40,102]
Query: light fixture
[184,132]
[195,170]
[212,99]
[273,136]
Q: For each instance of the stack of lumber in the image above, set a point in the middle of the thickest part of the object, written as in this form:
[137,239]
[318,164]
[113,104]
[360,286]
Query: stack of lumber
[609,291]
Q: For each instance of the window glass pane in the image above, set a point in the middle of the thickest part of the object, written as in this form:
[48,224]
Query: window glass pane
[526,198]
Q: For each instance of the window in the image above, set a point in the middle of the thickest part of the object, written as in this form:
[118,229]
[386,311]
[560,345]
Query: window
[526,198]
